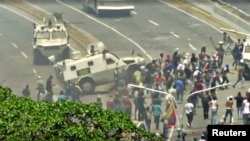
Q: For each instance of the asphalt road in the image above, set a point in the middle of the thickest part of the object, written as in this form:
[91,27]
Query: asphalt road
[185,27]
[162,30]
[241,4]
[16,55]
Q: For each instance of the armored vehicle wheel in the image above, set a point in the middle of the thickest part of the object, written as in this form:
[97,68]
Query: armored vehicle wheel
[37,59]
[87,85]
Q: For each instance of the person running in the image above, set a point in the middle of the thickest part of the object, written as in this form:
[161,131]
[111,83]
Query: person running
[189,112]
[240,78]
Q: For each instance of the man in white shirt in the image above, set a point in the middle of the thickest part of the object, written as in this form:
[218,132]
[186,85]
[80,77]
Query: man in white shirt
[189,112]
[246,110]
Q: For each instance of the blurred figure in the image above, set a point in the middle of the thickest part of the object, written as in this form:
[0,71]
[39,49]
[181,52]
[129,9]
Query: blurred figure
[205,104]
[189,112]
[157,114]
[214,109]
[40,87]
[109,103]
[246,110]
[99,101]
[49,85]
[26,91]
[148,117]
[77,92]
[240,78]
[221,51]
[61,96]
[229,109]
[239,101]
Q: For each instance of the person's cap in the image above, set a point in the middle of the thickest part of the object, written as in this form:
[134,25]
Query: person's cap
[39,77]
[230,96]
[220,42]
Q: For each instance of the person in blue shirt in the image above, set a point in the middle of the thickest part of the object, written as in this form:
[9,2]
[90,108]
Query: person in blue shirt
[61,96]
[156,109]
[179,86]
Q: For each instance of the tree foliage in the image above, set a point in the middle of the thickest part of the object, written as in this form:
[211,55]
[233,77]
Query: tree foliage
[26,120]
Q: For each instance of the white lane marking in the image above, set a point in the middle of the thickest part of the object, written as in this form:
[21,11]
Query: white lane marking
[109,27]
[191,46]
[117,20]
[174,34]
[154,23]
[194,25]
[24,55]
[196,18]
[133,12]
[14,45]
[25,17]
[160,38]
[34,71]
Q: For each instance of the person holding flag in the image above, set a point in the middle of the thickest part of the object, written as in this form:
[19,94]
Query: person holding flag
[169,118]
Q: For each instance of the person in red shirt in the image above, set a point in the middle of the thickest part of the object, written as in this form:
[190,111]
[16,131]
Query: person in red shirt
[127,103]
[110,103]
[199,85]
[159,80]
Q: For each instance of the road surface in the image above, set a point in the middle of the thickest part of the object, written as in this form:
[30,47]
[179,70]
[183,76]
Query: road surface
[176,25]
[160,31]
[241,4]
[16,54]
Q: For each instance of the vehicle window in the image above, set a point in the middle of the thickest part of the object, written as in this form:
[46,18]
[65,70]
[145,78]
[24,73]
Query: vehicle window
[109,61]
[58,35]
[43,35]
[91,63]
[247,49]
[73,68]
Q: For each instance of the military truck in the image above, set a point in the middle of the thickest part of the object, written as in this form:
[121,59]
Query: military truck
[100,7]
[96,68]
[50,38]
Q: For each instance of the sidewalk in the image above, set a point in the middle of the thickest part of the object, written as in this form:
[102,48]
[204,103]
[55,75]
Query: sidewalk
[210,7]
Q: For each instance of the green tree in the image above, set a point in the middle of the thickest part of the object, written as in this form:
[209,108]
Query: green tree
[25,120]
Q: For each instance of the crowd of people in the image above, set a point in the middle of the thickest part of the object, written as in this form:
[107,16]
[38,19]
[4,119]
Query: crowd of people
[182,72]
[175,74]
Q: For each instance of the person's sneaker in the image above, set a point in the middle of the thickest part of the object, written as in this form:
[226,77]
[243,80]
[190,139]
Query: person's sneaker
[188,125]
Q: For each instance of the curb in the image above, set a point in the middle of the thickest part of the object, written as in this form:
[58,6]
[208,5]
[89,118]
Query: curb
[220,9]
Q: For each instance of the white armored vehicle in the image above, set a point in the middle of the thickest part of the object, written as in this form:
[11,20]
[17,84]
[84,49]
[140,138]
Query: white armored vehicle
[50,38]
[97,68]
[101,6]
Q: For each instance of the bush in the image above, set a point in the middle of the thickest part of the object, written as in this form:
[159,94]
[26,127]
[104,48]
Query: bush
[25,120]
